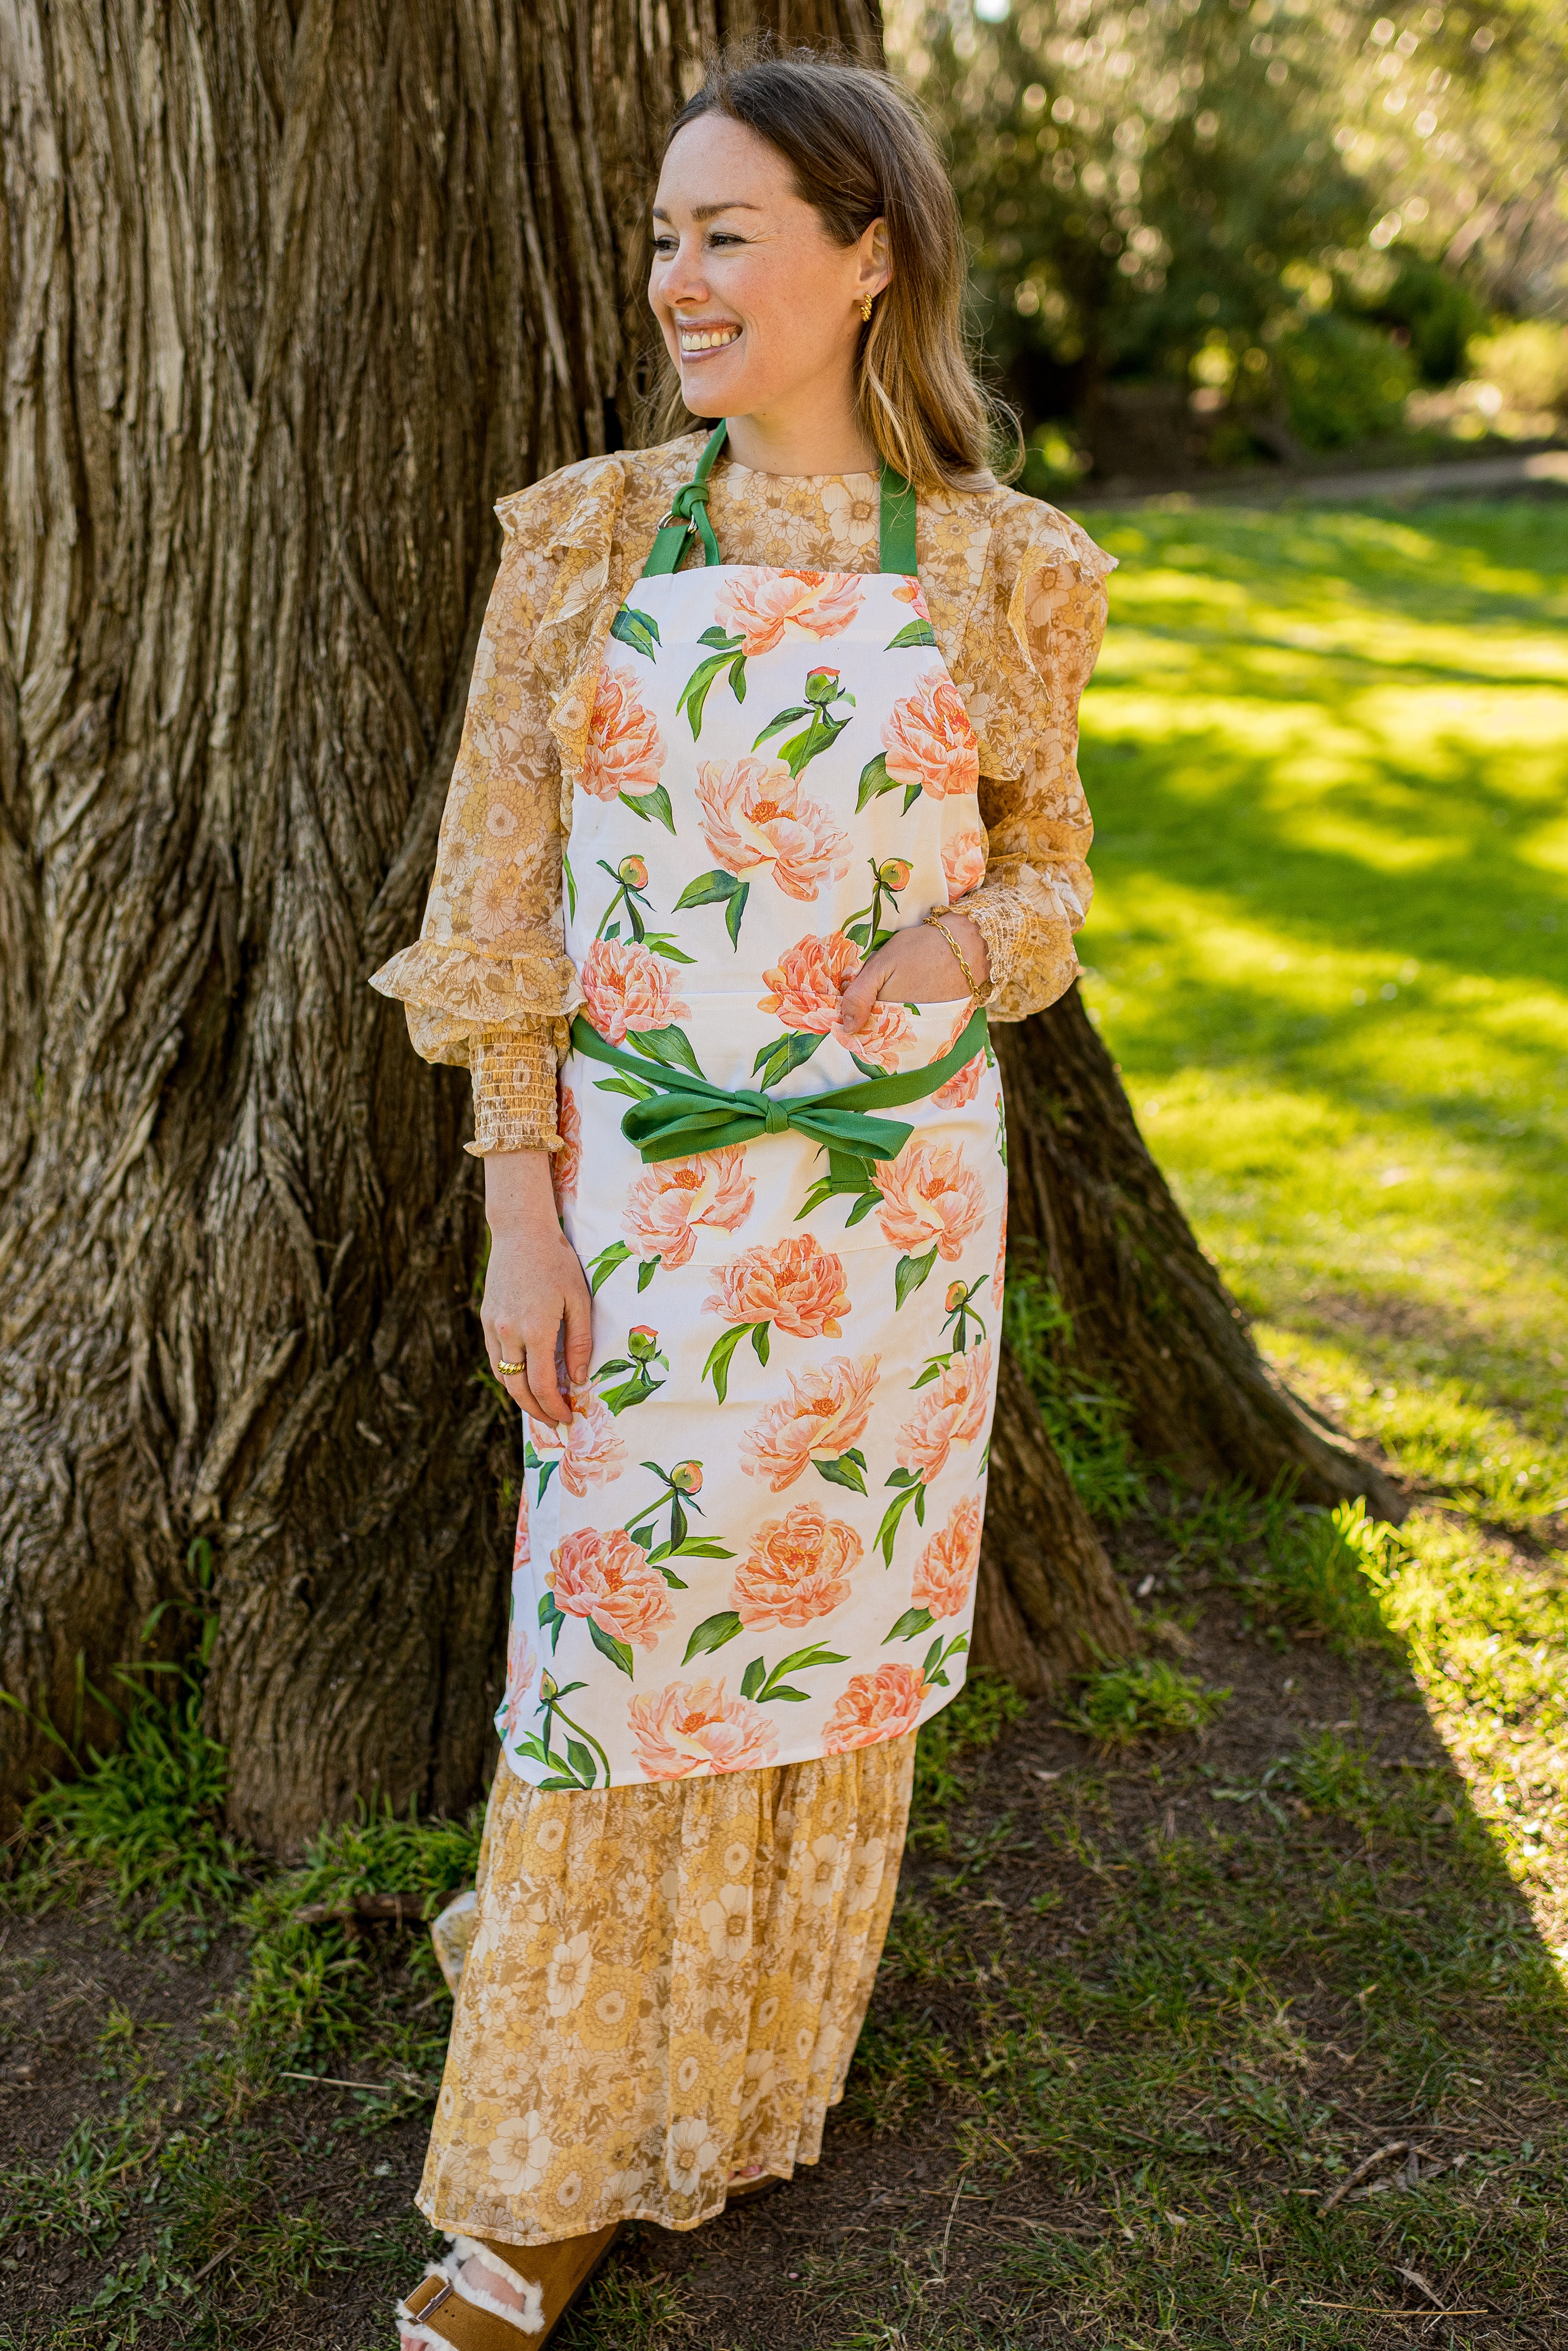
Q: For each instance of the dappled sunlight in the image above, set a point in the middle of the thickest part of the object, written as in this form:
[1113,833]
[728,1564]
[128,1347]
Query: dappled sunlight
[1326,944]
[1329,759]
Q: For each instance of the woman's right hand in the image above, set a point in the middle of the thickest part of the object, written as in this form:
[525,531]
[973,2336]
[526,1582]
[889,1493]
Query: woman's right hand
[534,1286]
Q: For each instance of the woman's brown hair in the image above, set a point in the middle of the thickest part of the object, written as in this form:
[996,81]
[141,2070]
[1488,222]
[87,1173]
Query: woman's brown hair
[861,151]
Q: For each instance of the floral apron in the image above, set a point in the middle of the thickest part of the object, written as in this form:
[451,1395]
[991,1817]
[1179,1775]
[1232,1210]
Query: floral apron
[756,1540]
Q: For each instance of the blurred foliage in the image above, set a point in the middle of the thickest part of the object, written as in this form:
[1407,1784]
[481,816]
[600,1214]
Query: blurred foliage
[1344,382]
[1172,195]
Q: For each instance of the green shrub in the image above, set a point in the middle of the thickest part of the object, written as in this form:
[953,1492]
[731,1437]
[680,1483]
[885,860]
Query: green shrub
[1086,1422]
[1343,381]
[1528,363]
[976,1718]
[1437,312]
[1146,1698]
[149,1816]
[1324,1572]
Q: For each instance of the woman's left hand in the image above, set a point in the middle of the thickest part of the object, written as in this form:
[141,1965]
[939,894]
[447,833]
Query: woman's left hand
[916,966]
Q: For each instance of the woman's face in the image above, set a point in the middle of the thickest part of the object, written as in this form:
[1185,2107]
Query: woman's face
[760,310]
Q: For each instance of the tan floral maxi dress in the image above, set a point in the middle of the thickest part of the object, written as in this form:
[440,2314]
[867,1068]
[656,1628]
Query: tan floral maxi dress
[667,1980]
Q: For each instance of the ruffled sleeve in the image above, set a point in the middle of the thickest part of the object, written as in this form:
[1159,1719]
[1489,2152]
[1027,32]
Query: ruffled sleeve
[488,984]
[1032,637]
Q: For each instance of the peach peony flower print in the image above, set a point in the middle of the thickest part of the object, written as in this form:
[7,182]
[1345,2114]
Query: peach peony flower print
[757,818]
[962,1087]
[823,1415]
[607,1577]
[796,1285]
[998,1278]
[882,1705]
[675,1195]
[625,986]
[809,979]
[760,605]
[625,751]
[952,1411]
[522,1672]
[963,863]
[909,591]
[566,1164]
[689,1727]
[807,983]
[928,1197]
[799,1567]
[586,1452]
[522,1554]
[929,741]
[945,1576]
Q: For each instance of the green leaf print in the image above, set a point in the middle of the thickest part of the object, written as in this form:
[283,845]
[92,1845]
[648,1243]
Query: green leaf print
[911,1272]
[874,781]
[729,656]
[716,1367]
[718,888]
[601,1267]
[913,1621]
[546,1469]
[712,1633]
[937,1658]
[567,876]
[822,728]
[582,1761]
[848,1469]
[777,1059]
[618,1652]
[646,1270]
[910,1489]
[641,630]
[913,632]
[550,1622]
[766,1688]
[649,805]
[670,1046]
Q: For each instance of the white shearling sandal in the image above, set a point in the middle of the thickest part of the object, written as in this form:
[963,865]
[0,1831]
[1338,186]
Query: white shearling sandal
[480,2297]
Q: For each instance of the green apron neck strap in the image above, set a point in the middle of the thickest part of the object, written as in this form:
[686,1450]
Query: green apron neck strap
[688,518]
[897,524]
[688,515]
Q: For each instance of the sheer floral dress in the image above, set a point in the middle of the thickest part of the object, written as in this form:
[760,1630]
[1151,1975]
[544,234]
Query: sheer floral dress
[665,1981]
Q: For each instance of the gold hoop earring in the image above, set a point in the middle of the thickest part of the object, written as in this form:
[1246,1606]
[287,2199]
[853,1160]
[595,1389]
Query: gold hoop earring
[865,309]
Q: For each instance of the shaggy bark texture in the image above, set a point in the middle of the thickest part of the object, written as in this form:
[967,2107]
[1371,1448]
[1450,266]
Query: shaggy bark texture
[1046,1606]
[288,295]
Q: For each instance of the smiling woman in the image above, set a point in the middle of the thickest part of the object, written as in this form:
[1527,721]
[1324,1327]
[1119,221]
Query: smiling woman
[809,800]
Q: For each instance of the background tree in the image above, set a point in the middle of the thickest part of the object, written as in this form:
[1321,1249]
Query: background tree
[286,301]
[1205,224]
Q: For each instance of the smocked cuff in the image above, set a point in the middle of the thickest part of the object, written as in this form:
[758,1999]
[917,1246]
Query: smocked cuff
[514,1092]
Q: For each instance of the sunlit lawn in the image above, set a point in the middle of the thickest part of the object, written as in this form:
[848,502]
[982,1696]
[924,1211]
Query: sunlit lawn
[1328,755]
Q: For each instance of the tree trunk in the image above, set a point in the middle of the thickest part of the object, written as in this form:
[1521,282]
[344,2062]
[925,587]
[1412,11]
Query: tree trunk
[1046,1606]
[288,295]
[1151,1317]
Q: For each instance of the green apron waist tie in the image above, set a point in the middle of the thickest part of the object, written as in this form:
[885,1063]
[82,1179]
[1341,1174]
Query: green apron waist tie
[688,1113]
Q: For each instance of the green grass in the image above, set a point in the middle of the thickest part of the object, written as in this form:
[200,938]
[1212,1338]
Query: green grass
[1328,755]
[1146,1698]
[1143,2013]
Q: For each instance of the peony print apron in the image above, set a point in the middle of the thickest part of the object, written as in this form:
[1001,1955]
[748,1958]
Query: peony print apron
[756,1540]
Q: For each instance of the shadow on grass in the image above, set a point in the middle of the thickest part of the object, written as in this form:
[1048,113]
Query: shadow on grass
[1161,2012]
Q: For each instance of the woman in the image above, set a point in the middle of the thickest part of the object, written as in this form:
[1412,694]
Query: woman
[737,847]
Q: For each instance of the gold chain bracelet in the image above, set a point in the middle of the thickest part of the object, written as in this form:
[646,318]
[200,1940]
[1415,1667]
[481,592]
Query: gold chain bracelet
[937,924]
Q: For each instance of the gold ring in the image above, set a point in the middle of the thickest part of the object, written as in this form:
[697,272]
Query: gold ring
[510,1371]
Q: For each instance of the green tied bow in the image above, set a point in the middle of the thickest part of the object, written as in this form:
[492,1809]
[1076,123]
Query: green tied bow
[688,1113]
